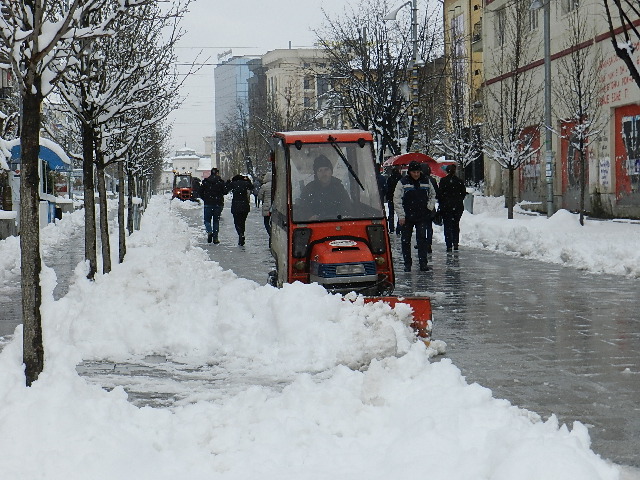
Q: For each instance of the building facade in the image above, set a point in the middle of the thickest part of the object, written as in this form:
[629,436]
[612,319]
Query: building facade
[577,30]
[296,81]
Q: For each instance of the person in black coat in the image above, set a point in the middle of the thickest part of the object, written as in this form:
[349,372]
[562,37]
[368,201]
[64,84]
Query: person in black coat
[426,169]
[241,187]
[212,190]
[451,196]
[392,181]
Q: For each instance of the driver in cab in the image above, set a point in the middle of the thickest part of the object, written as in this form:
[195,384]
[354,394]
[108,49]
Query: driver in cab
[324,197]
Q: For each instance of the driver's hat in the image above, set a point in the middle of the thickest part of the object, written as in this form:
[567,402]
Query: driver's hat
[321,161]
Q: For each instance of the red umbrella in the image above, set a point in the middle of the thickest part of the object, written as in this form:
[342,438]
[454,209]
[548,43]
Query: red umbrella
[437,168]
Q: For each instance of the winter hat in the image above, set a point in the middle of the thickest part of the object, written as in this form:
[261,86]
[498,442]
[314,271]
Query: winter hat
[415,167]
[450,168]
[321,161]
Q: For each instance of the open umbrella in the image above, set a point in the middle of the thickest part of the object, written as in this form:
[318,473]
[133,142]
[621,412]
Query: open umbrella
[437,167]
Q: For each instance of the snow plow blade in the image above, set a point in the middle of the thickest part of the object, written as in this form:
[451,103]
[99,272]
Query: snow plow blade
[422,316]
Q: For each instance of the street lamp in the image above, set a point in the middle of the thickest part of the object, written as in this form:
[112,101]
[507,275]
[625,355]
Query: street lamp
[548,152]
[415,61]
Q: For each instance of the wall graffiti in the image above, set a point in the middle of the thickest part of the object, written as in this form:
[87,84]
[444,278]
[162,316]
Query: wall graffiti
[604,173]
[627,150]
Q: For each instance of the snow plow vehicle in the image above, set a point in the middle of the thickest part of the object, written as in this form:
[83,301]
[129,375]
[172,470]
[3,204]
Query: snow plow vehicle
[182,186]
[328,223]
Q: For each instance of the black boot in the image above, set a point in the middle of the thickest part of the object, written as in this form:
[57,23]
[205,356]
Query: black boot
[241,241]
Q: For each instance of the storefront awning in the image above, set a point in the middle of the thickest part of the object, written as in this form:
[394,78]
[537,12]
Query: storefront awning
[50,152]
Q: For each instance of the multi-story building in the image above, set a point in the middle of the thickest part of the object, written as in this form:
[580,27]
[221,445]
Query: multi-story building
[464,73]
[577,30]
[296,82]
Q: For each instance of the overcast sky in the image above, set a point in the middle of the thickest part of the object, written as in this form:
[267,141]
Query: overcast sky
[247,27]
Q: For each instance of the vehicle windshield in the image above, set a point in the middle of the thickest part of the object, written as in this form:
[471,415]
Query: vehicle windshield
[326,188]
[183,182]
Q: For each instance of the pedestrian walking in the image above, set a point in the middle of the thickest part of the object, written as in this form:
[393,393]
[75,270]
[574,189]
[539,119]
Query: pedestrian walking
[414,200]
[256,192]
[427,172]
[392,182]
[240,187]
[451,196]
[264,196]
[212,190]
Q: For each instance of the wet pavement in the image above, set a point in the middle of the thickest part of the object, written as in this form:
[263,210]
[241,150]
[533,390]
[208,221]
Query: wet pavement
[549,339]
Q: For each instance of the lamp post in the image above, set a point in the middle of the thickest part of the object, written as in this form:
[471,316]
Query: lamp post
[548,152]
[415,61]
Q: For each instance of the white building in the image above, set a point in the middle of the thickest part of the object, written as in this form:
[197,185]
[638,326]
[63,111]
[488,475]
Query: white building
[296,79]
[186,160]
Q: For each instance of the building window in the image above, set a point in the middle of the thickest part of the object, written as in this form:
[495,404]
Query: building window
[534,19]
[568,6]
[501,22]
[308,82]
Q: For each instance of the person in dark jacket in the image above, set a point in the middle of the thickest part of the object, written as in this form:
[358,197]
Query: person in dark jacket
[392,181]
[212,190]
[241,187]
[426,169]
[324,198]
[414,200]
[451,195]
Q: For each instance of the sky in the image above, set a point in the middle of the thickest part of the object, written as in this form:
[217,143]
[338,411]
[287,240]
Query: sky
[283,383]
[250,27]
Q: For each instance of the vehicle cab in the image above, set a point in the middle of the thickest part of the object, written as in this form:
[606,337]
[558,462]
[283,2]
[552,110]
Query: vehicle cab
[328,222]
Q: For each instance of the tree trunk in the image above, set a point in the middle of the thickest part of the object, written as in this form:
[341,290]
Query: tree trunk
[132,186]
[583,181]
[122,246]
[30,261]
[90,247]
[510,194]
[104,223]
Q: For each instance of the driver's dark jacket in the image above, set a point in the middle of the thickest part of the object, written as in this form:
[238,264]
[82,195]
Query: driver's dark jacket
[325,202]
[414,200]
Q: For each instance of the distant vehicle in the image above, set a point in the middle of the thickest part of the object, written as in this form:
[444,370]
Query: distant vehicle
[342,241]
[183,186]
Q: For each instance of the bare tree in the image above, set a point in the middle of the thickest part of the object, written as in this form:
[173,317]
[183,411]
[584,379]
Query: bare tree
[624,19]
[37,37]
[370,67]
[576,98]
[120,85]
[514,117]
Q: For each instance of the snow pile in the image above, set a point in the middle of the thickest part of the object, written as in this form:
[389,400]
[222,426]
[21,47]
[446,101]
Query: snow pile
[356,398]
[599,246]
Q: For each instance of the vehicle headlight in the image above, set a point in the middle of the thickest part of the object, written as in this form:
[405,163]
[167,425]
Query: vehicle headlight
[350,269]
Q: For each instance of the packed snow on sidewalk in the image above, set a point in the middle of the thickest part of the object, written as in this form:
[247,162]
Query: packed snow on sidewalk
[335,389]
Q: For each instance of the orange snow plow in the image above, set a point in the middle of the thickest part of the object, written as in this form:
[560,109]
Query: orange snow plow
[328,222]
